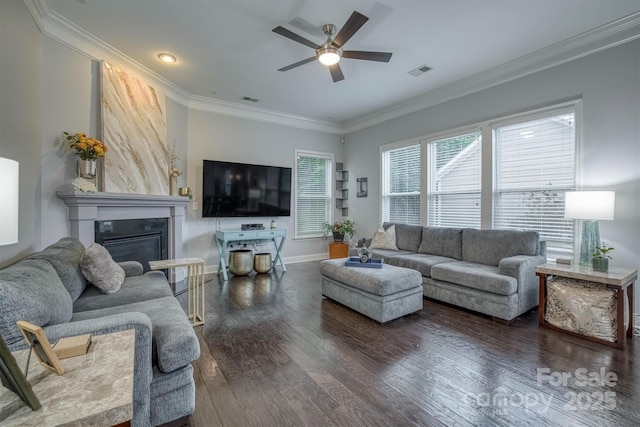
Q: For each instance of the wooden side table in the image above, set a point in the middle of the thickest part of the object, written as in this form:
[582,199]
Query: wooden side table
[195,284]
[616,279]
[338,250]
[96,388]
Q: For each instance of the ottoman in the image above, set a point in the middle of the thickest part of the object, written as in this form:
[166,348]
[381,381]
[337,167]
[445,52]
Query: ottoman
[382,294]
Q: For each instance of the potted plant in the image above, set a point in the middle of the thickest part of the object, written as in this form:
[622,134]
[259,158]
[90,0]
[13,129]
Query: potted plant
[600,260]
[339,229]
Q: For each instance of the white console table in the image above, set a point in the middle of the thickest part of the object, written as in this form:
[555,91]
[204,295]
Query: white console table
[224,237]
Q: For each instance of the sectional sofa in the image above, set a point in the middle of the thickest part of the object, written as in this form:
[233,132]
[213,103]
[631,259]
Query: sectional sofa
[48,289]
[488,271]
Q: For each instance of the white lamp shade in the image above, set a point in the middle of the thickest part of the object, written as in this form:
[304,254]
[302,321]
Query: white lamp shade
[9,189]
[589,205]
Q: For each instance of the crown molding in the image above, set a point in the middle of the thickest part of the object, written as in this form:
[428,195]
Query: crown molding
[205,104]
[607,36]
[60,29]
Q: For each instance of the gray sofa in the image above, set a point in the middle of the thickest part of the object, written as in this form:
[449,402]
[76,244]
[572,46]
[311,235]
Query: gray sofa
[47,289]
[488,271]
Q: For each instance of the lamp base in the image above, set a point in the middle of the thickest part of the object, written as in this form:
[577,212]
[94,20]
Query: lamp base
[588,241]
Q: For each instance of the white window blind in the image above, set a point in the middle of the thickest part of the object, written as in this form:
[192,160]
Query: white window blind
[313,193]
[401,185]
[454,176]
[535,165]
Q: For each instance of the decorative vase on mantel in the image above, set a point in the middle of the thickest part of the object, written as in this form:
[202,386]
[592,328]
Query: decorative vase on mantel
[87,168]
[173,185]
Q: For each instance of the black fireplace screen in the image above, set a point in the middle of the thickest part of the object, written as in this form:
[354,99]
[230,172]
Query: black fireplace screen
[141,240]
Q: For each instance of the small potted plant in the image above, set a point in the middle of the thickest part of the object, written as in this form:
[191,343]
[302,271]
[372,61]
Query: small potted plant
[600,260]
[339,229]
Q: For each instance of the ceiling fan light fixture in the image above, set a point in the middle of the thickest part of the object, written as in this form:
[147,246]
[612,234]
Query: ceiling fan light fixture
[328,55]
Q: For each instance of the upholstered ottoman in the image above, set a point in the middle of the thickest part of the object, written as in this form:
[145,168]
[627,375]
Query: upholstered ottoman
[382,294]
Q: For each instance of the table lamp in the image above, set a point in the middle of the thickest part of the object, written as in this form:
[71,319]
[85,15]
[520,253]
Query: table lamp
[9,189]
[589,206]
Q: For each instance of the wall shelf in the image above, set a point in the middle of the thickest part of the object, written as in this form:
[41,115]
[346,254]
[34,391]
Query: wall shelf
[342,191]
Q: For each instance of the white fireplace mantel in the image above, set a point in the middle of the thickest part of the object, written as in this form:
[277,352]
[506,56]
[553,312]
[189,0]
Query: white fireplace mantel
[87,208]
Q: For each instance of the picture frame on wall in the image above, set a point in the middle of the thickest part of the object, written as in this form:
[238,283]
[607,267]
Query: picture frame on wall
[14,380]
[362,187]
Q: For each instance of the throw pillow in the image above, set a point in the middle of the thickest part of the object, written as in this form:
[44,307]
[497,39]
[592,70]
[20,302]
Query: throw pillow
[101,270]
[384,239]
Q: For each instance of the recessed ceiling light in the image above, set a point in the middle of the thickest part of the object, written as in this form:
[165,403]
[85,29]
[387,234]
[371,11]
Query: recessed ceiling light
[167,57]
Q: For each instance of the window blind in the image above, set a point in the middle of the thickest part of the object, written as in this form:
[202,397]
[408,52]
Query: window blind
[454,175]
[535,165]
[401,185]
[313,193]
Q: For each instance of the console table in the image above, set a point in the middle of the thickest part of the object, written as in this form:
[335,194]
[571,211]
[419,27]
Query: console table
[96,388]
[618,280]
[224,237]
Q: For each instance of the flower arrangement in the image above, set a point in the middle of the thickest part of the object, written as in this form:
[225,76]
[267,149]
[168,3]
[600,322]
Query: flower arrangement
[86,148]
[344,226]
[603,251]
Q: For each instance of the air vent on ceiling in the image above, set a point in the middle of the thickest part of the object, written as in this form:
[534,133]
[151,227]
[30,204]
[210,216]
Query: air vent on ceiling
[419,71]
[248,98]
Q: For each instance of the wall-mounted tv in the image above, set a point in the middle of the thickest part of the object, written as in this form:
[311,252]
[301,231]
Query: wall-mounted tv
[244,190]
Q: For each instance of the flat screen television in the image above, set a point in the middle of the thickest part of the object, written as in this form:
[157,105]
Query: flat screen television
[245,190]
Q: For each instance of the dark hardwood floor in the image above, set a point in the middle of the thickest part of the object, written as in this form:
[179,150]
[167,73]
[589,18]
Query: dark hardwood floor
[276,353]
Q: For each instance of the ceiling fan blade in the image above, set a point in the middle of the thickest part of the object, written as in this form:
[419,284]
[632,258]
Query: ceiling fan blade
[336,73]
[353,24]
[368,56]
[293,36]
[297,64]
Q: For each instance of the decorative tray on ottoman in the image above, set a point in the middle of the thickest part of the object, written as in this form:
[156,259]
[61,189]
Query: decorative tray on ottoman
[355,262]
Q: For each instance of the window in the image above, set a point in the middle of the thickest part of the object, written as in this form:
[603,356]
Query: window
[313,193]
[454,177]
[535,165]
[401,185]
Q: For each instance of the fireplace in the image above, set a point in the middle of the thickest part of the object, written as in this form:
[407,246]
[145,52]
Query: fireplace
[141,240]
[90,211]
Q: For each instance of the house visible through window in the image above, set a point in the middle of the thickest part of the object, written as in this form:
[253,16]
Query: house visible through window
[520,166]
[401,185]
[454,176]
[535,165]
[313,193]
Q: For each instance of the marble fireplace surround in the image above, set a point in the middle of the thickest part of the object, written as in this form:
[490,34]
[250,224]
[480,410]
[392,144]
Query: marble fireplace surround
[87,208]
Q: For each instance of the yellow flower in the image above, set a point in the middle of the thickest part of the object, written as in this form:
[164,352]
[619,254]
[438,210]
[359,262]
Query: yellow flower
[81,146]
[91,142]
[99,151]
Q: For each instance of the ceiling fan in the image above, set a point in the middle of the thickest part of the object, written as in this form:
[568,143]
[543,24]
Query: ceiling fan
[330,52]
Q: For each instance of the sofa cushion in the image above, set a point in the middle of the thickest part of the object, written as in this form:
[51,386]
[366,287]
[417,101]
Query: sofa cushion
[148,286]
[408,237]
[101,270]
[175,345]
[490,246]
[384,239]
[418,262]
[387,253]
[31,290]
[476,276]
[64,256]
[446,242]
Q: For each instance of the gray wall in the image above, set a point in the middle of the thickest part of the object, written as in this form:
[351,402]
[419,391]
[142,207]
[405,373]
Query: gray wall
[21,85]
[608,84]
[216,137]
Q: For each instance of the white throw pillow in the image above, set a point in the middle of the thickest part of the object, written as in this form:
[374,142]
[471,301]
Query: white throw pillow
[101,270]
[384,239]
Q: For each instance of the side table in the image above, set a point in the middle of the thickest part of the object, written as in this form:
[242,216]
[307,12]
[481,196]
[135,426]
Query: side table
[616,279]
[96,388]
[195,284]
[338,250]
